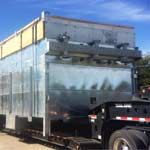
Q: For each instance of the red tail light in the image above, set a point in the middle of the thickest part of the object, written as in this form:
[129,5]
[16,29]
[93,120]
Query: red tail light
[92,116]
[148,88]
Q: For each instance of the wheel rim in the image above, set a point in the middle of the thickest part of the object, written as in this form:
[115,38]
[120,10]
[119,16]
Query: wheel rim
[121,144]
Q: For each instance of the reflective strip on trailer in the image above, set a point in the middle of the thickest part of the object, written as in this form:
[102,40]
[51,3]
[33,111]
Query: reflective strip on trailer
[124,118]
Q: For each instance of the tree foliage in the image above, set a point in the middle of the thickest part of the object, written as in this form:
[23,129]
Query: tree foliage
[144,71]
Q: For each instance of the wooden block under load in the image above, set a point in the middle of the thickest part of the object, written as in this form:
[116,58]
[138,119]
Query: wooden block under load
[15,123]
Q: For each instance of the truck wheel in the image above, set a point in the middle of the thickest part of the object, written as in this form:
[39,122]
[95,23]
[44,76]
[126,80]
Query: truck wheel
[128,140]
[141,136]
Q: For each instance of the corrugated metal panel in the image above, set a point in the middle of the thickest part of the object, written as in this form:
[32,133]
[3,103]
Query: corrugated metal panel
[95,23]
[33,32]
[84,31]
[71,87]
[22,82]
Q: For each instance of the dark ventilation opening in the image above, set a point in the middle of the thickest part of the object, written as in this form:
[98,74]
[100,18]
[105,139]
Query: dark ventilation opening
[93,100]
[96,129]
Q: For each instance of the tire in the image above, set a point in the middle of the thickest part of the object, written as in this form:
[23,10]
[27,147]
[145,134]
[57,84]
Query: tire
[128,140]
[141,136]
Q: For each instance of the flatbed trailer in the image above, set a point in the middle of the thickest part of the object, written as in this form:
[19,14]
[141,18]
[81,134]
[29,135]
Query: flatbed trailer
[115,125]
[126,122]
[72,83]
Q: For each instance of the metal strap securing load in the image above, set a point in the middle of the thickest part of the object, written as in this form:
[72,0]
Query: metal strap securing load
[64,47]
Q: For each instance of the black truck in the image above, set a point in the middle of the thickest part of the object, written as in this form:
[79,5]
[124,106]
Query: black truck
[122,125]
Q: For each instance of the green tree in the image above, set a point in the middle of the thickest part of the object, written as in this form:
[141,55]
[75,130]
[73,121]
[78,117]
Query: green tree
[144,71]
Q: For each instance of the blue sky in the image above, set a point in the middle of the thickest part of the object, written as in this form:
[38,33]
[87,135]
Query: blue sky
[14,14]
